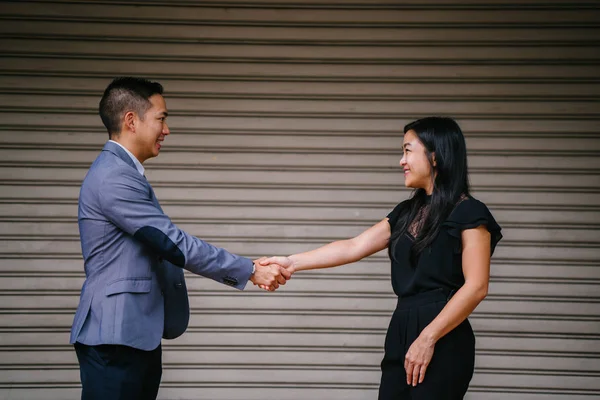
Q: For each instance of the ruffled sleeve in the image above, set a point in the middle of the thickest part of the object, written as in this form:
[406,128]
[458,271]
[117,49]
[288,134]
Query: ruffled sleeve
[469,214]
[395,214]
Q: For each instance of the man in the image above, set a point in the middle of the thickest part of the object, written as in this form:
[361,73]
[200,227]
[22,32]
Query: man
[134,256]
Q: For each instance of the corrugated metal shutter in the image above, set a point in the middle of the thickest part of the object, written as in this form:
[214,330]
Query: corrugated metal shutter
[287,120]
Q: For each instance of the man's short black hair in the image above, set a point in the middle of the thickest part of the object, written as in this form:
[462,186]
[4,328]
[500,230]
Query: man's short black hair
[126,94]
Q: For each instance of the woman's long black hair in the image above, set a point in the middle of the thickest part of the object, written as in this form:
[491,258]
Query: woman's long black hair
[442,136]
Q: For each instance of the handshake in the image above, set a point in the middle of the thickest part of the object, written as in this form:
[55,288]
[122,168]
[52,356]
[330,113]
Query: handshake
[271,272]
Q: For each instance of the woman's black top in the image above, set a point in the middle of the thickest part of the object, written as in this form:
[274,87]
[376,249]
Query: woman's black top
[439,265]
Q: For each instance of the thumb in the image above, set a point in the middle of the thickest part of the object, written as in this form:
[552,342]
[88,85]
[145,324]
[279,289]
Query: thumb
[268,260]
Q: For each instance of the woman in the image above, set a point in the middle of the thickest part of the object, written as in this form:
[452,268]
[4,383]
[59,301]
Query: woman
[440,242]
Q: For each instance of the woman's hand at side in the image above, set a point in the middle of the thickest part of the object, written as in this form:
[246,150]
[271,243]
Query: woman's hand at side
[417,359]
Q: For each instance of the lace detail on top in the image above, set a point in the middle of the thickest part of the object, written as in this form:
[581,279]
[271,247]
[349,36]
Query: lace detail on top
[417,224]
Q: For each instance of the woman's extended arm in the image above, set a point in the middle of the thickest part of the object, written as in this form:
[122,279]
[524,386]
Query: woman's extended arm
[476,253]
[340,252]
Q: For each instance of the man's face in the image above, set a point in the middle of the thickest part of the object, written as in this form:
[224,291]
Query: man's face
[152,129]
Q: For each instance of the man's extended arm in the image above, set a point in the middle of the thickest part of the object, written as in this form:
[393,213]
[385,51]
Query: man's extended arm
[126,201]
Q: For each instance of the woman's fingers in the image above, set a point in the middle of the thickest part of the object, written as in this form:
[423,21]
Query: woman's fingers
[411,368]
[415,375]
[415,371]
[422,373]
[417,360]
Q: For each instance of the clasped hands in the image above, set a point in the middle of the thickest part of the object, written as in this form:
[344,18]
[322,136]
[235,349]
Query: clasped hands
[270,272]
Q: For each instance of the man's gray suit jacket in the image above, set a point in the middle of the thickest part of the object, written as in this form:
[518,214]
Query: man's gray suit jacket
[134,292]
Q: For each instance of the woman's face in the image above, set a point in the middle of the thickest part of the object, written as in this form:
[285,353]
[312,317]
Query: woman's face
[417,170]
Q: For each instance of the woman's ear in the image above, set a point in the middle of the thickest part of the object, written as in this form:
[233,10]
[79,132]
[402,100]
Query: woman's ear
[433,161]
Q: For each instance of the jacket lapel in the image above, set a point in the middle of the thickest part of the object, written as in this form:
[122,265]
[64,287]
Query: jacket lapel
[122,154]
[119,152]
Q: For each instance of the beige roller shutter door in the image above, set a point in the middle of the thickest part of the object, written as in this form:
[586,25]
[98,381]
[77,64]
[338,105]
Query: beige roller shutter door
[286,121]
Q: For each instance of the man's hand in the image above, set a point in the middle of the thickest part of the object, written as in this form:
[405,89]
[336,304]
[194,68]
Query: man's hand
[269,277]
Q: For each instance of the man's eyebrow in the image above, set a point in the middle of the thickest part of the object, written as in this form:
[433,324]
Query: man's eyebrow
[164,114]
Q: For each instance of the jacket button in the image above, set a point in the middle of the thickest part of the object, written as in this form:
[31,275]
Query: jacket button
[178,285]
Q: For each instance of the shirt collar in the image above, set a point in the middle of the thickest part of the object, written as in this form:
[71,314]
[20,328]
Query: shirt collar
[138,165]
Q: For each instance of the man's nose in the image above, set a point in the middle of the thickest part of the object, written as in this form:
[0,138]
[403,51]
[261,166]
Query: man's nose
[166,130]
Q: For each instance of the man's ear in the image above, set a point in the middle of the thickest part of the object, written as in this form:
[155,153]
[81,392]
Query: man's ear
[130,120]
